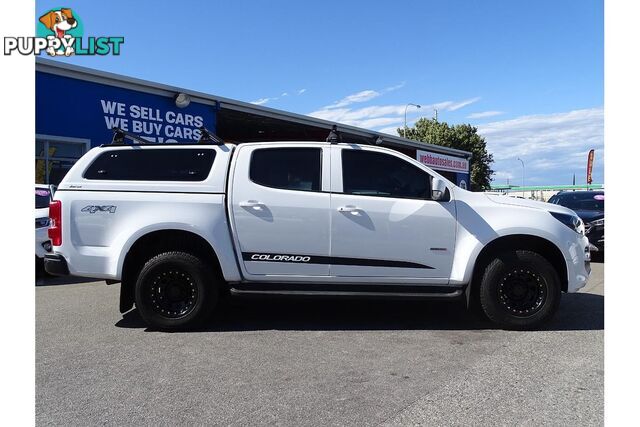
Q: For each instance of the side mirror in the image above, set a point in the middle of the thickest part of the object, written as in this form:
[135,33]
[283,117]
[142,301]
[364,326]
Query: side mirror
[438,189]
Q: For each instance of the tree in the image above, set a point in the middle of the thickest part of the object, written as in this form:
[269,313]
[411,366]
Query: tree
[463,137]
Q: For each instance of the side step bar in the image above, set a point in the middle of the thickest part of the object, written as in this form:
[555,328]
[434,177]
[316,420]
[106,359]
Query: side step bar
[348,290]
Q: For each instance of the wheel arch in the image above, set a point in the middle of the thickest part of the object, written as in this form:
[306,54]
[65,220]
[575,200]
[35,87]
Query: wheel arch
[540,245]
[155,242]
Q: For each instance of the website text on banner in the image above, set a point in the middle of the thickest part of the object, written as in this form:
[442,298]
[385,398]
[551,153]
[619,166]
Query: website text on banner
[442,161]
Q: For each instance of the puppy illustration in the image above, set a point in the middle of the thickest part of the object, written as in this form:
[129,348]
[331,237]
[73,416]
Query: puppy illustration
[59,21]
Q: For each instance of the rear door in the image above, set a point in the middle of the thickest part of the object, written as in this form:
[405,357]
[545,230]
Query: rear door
[280,207]
[384,224]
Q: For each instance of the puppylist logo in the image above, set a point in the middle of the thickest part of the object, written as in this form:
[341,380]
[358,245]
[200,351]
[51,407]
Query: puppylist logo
[60,32]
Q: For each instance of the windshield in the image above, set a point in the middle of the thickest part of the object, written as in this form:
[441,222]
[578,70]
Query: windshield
[581,202]
[43,196]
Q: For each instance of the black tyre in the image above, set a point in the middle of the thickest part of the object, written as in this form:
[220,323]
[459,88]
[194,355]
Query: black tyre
[175,290]
[520,290]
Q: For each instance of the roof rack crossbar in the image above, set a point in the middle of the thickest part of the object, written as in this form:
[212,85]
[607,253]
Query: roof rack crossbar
[119,136]
[207,135]
[334,135]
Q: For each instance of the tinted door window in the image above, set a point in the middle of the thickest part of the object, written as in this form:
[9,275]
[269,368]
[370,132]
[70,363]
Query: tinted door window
[377,174]
[287,168]
[152,165]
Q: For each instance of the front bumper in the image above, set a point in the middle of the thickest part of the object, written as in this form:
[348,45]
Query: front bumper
[578,264]
[56,265]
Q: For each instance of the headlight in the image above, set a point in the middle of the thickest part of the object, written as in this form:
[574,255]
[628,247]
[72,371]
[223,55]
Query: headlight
[572,221]
[42,222]
[597,223]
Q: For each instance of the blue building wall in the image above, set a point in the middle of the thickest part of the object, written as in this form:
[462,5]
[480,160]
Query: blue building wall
[69,107]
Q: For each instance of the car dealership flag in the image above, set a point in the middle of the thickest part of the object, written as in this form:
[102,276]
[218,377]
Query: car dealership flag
[590,166]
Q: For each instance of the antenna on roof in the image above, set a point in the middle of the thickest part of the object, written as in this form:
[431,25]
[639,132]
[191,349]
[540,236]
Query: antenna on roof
[334,136]
[119,136]
[207,135]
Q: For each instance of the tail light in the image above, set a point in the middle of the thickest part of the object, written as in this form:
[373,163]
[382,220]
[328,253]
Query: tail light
[55,215]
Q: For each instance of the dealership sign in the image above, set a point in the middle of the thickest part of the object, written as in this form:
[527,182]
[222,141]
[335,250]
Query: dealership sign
[443,162]
[153,124]
[95,108]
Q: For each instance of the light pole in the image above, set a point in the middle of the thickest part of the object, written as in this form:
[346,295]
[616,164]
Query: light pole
[522,176]
[405,116]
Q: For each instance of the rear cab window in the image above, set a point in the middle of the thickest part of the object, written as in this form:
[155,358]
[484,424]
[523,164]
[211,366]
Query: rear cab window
[296,169]
[163,164]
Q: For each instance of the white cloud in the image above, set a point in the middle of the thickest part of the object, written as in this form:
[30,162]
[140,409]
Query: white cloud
[544,133]
[380,121]
[462,104]
[552,146]
[395,87]
[362,96]
[262,101]
[484,114]
[383,115]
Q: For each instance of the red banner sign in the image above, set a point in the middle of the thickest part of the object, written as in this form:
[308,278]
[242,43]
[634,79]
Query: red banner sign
[590,166]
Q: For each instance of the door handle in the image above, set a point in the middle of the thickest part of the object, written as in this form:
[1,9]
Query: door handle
[253,204]
[353,210]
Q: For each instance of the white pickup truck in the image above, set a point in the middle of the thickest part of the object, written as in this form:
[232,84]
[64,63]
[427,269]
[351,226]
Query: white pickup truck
[179,224]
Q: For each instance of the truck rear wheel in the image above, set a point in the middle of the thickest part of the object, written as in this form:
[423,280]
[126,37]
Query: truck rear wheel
[175,290]
[520,290]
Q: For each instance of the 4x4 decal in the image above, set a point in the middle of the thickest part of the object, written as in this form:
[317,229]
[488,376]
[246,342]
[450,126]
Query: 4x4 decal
[99,208]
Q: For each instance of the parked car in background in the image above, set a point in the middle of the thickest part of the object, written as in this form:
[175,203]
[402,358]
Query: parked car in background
[43,244]
[589,205]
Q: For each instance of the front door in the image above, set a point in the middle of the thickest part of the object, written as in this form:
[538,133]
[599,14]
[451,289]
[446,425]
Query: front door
[383,221]
[280,206]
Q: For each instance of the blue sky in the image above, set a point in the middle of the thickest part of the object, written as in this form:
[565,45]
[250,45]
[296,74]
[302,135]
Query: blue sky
[528,74]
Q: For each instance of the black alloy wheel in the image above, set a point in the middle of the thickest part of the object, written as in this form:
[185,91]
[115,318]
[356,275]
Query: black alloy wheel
[519,289]
[522,292]
[176,290]
[172,292]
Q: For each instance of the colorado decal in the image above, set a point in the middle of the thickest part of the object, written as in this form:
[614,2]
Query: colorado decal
[313,259]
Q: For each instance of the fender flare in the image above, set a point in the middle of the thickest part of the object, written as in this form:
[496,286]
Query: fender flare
[513,240]
[166,226]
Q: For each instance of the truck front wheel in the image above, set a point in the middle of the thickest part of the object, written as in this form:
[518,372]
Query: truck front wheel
[175,290]
[520,290]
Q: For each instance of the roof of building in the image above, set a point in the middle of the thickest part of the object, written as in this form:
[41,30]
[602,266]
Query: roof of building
[97,76]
